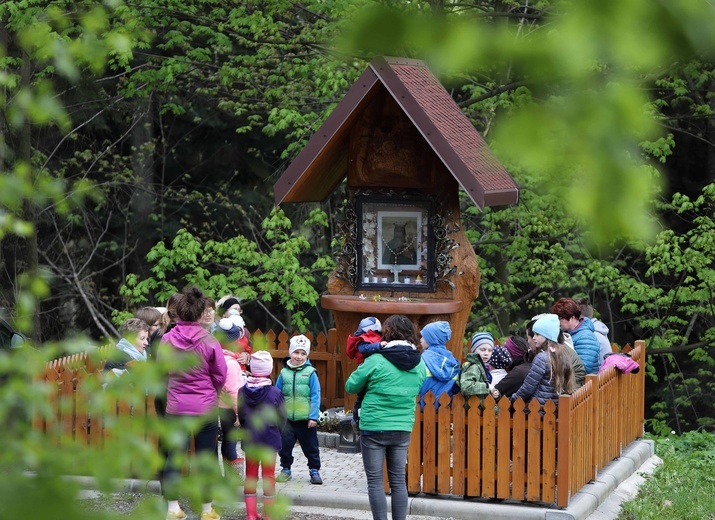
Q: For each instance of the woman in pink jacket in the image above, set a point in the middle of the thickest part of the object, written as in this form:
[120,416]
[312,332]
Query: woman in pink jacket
[192,392]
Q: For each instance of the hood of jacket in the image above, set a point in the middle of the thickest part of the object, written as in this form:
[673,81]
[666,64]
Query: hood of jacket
[441,363]
[436,333]
[600,327]
[402,354]
[186,335]
[585,324]
[255,395]
[131,350]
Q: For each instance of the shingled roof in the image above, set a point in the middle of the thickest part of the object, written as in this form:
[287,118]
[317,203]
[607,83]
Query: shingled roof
[322,164]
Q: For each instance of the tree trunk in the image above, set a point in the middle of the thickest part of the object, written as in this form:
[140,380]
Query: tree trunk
[29,211]
[143,198]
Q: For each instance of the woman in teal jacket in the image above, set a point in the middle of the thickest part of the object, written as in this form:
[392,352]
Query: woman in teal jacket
[391,380]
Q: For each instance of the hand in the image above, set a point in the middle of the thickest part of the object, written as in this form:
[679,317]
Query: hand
[242,358]
[496,394]
[312,423]
[383,343]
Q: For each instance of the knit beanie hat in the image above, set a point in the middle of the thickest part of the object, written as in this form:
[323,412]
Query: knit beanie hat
[231,331]
[299,342]
[225,306]
[481,338]
[436,333]
[261,364]
[369,323]
[548,326]
[500,357]
[517,347]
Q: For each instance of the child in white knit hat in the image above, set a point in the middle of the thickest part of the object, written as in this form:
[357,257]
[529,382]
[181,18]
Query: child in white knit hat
[301,389]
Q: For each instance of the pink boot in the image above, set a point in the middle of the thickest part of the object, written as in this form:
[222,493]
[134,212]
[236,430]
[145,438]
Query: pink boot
[251,507]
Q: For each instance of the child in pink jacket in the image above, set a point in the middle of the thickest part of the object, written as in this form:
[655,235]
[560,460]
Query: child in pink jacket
[230,335]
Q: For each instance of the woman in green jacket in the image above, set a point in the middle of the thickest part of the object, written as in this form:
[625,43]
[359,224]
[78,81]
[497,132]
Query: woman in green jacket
[391,380]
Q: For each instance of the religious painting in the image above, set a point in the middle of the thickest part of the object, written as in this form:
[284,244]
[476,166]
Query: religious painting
[398,243]
[395,243]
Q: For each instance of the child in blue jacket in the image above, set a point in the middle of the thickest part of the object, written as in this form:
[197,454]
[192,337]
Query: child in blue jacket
[442,366]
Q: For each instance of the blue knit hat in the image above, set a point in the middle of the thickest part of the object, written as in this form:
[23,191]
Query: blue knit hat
[436,333]
[548,326]
[481,338]
[369,323]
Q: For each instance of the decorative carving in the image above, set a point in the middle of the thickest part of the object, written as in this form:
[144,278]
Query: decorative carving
[351,232]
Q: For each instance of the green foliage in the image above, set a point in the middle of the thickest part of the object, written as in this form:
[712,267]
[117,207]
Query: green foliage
[273,271]
[582,126]
[681,487]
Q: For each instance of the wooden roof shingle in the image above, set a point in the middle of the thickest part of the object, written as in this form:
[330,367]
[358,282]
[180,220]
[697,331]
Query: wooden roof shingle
[322,164]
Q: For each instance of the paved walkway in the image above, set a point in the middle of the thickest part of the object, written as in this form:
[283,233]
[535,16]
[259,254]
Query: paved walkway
[345,489]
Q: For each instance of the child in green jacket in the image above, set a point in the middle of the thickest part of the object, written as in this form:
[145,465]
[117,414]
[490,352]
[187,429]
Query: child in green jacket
[301,389]
[474,379]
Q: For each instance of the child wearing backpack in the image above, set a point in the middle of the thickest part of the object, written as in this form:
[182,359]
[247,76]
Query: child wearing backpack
[261,411]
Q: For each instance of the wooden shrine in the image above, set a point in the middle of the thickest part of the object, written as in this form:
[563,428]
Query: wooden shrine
[406,148]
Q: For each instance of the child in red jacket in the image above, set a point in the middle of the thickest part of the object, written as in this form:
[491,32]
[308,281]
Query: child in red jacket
[366,340]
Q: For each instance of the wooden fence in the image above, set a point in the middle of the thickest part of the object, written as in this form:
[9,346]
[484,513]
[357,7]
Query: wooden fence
[483,448]
[472,448]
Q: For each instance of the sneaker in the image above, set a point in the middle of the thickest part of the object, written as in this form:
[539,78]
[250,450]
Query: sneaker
[315,477]
[284,476]
[212,515]
[171,515]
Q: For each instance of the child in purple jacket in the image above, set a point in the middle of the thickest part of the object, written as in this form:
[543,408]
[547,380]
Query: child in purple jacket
[262,414]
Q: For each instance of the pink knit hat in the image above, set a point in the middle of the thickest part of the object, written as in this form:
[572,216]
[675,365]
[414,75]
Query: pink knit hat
[261,364]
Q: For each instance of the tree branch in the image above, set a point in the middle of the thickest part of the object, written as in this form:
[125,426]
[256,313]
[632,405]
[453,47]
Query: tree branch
[495,92]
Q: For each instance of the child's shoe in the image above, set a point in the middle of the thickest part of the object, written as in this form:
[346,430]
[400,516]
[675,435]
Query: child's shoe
[284,475]
[315,477]
[174,515]
[211,515]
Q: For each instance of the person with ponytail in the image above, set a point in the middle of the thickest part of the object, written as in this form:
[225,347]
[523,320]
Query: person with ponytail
[551,373]
[192,392]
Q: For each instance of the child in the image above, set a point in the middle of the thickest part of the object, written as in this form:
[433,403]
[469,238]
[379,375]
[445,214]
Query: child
[551,373]
[229,335]
[241,347]
[498,363]
[131,347]
[474,379]
[301,389]
[261,411]
[364,341]
[442,366]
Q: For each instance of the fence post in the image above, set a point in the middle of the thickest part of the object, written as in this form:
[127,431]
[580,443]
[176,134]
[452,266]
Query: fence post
[564,454]
[596,440]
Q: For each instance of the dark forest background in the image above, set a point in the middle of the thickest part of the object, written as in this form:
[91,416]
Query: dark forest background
[141,141]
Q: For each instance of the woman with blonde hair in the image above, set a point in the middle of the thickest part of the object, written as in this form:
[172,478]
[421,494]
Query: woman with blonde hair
[551,373]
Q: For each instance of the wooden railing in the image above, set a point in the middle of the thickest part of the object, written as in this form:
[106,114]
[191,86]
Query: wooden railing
[472,448]
[483,448]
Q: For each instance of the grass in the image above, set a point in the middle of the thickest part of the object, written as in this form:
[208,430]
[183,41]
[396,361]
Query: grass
[683,486]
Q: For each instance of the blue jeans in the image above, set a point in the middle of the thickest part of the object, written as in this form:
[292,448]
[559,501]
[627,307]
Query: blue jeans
[376,448]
